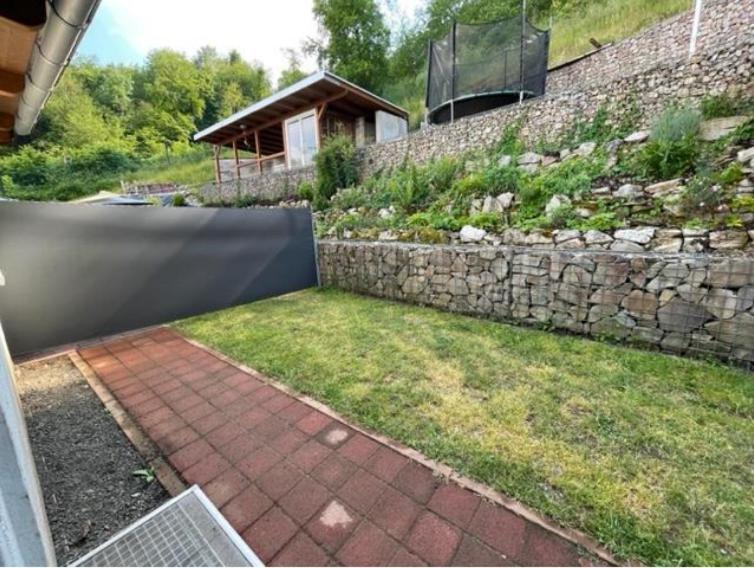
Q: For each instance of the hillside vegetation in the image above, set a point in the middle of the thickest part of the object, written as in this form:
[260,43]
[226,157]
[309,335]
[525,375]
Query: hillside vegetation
[105,123]
[589,179]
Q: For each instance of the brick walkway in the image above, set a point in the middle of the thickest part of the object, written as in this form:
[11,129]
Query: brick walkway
[299,486]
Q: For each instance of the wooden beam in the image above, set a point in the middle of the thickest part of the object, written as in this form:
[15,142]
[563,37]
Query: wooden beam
[6,121]
[235,154]
[218,175]
[259,151]
[11,84]
[286,116]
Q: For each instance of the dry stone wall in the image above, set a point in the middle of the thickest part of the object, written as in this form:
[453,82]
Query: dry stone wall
[686,304]
[267,187]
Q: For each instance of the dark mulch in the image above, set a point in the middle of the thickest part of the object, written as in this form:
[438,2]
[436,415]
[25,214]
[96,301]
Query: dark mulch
[84,461]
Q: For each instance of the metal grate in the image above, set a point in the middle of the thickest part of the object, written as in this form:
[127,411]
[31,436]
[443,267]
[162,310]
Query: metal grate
[186,531]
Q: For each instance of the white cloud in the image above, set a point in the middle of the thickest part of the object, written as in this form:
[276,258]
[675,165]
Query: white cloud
[259,29]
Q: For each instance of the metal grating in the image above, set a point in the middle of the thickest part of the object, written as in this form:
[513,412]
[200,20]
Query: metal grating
[186,531]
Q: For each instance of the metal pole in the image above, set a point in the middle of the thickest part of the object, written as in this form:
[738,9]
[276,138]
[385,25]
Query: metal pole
[695,26]
[453,78]
[521,60]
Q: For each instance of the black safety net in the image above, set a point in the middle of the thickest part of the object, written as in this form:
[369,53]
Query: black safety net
[480,66]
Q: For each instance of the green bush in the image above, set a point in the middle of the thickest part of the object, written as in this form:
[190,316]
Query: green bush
[336,168]
[718,106]
[602,221]
[179,200]
[349,198]
[306,191]
[743,204]
[702,196]
[673,148]
[486,221]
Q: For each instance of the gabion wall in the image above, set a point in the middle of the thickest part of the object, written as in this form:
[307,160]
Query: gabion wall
[696,305]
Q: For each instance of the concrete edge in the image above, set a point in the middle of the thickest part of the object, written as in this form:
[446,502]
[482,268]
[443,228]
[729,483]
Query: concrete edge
[516,507]
[164,472]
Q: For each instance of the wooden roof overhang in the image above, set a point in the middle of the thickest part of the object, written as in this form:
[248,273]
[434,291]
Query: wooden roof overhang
[20,22]
[263,120]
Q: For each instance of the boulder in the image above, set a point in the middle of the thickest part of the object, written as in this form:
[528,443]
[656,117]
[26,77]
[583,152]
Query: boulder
[747,155]
[529,168]
[505,200]
[611,274]
[457,287]
[597,238]
[738,330]
[613,145]
[471,234]
[586,149]
[504,161]
[721,303]
[601,191]
[556,202]
[566,235]
[491,205]
[618,326]
[629,191]
[728,240]
[716,128]
[637,137]
[528,158]
[640,235]
[664,187]
[681,316]
[414,285]
[731,273]
[626,246]
[641,305]
[549,161]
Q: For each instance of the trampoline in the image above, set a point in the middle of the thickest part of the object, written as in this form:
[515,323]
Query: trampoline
[478,67]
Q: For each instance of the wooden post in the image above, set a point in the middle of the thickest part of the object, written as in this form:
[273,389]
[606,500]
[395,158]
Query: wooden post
[259,151]
[238,163]
[218,175]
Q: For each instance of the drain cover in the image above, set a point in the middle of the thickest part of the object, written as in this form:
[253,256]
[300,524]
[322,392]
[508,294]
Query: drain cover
[186,531]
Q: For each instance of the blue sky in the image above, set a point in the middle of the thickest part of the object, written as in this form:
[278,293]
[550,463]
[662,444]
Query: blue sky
[124,31]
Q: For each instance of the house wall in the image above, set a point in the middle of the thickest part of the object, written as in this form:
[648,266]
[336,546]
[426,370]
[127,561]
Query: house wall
[681,303]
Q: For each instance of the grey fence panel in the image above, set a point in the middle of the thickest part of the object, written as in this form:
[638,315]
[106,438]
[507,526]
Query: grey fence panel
[74,272]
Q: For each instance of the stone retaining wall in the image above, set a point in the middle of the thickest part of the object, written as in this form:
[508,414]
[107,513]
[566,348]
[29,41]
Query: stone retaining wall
[267,187]
[722,22]
[687,304]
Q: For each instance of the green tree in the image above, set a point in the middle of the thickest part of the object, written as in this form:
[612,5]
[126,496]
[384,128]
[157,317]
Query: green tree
[293,73]
[353,41]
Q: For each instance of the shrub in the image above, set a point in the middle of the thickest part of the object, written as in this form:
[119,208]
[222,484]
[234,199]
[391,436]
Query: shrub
[306,191]
[673,148]
[702,196]
[336,167]
[434,220]
[486,221]
[561,217]
[743,204]
[718,106]
[178,200]
[603,221]
[349,198]
[731,175]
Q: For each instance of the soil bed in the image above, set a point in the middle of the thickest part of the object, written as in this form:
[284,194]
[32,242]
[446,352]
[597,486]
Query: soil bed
[84,461]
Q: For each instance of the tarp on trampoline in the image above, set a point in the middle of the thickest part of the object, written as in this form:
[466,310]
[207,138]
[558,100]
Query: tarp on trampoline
[476,67]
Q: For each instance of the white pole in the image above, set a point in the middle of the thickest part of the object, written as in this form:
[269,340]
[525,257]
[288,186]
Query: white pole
[695,26]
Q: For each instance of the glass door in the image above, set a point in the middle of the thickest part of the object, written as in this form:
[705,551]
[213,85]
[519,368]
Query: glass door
[301,139]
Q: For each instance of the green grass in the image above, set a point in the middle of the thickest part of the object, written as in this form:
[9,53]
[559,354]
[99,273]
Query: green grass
[608,21]
[189,169]
[650,454]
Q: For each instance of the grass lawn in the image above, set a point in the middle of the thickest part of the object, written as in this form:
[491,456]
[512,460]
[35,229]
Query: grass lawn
[651,454]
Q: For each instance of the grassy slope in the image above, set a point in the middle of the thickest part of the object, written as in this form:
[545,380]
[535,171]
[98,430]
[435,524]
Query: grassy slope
[188,170]
[608,21]
[649,453]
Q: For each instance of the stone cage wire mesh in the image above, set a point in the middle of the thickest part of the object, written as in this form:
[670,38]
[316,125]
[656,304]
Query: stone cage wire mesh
[693,305]
[473,60]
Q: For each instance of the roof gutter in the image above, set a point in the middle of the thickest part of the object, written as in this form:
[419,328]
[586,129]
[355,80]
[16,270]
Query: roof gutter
[56,43]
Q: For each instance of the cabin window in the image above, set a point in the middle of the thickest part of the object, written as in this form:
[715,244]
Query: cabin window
[301,139]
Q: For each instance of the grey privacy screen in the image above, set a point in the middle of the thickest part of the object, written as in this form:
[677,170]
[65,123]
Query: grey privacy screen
[74,272]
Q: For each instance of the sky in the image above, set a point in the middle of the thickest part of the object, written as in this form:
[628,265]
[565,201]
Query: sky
[124,31]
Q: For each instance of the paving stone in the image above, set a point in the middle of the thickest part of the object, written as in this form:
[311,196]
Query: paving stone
[290,441]
[333,524]
[277,403]
[259,462]
[544,548]
[240,447]
[386,463]
[209,423]
[472,552]
[252,418]
[334,471]
[434,539]
[499,528]
[177,439]
[305,499]
[206,469]
[246,507]
[361,491]
[270,428]
[335,435]
[224,434]
[456,504]
[301,551]
[358,449]
[225,486]
[394,513]
[416,481]
[294,412]
[310,455]
[190,454]
[404,558]
[313,422]
[270,533]
[368,546]
[279,479]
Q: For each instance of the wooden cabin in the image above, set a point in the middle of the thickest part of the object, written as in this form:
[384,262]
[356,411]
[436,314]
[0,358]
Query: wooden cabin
[286,129]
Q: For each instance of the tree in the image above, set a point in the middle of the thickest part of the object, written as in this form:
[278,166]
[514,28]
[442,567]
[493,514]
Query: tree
[353,41]
[293,73]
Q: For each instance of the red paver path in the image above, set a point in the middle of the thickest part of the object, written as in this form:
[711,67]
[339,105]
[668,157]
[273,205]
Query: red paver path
[301,487]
